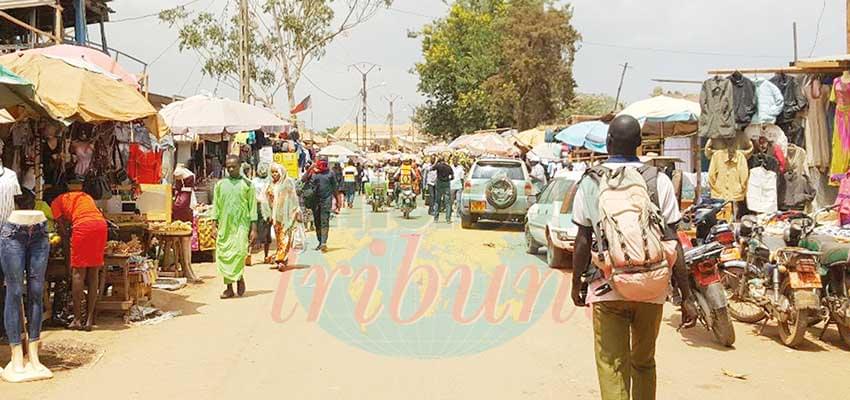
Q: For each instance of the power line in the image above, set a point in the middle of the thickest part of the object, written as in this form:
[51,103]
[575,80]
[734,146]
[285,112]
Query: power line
[156,14]
[325,92]
[178,36]
[817,31]
[676,51]
[413,13]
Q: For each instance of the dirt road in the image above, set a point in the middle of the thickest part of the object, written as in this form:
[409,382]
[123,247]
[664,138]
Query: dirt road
[240,348]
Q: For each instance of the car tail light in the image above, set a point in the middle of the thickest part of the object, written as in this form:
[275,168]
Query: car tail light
[467,186]
[529,189]
[726,238]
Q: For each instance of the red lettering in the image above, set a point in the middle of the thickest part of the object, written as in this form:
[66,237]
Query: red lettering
[561,299]
[362,306]
[323,284]
[532,290]
[405,274]
[491,299]
[280,296]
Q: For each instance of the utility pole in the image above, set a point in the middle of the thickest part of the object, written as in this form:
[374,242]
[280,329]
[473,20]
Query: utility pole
[244,58]
[364,72]
[391,99]
[794,28]
[620,88]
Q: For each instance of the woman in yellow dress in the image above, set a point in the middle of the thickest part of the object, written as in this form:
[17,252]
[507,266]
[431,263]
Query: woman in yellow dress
[285,211]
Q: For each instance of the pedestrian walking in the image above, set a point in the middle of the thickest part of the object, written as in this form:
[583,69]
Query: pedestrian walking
[442,189]
[457,184]
[264,226]
[431,182]
[625,330]
[285,211]
[349,178]
[235,213]
[324,186]
[338,196]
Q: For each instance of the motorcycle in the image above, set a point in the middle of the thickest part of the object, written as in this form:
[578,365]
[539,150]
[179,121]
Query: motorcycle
[779,281]
[407,201]
[702,262]
[378,199]
[833,265]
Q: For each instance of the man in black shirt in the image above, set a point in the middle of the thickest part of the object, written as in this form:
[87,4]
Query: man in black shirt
[445,174]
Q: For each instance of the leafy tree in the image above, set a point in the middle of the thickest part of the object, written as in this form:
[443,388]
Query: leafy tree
[494,63]
[591,104]
[285,37]
[331,130]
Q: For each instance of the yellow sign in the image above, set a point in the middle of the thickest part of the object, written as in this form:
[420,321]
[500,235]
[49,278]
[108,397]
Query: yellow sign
[289,161]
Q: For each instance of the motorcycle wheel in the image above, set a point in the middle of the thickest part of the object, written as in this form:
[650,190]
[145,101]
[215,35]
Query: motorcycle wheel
[406,214]
[844,332]
[721,327]
[792,331]
[375,206]
[739,309]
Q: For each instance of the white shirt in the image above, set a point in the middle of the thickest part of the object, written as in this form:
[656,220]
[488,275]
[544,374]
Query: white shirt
[457,182]
[431,178]
[761,191]
[669,211]
[9,188]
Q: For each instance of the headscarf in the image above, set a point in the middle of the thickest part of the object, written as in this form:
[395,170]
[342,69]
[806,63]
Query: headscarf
[283,198]
[322,166]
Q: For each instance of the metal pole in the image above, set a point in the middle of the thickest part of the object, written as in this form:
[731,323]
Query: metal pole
[363,93]
[620,88]
[392,99]
[33,22]
[80,22]
[365,107]
[794,25]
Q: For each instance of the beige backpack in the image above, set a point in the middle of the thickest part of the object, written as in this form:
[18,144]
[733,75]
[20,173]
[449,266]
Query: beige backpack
[630,246]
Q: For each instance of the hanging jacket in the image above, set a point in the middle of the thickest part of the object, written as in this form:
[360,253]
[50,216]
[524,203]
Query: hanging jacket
[717,118]
[769,102]
[743,99]
[727,176]
[794,99]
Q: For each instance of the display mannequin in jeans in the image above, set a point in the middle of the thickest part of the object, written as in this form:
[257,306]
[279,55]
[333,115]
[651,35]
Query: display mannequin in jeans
[25,248]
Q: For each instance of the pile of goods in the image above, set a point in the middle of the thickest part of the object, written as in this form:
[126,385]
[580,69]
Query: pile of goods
[124,249]
[174,227]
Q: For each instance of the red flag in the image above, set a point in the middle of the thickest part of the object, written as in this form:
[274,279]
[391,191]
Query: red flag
[303,105]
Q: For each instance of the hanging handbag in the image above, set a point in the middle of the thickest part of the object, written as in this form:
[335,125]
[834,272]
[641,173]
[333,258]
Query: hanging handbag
[97,186]
[118,175]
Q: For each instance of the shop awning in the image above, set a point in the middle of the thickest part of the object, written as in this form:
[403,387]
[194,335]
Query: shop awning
[203,115]
[663,115]
[16,91]
[78,94]
[90,55]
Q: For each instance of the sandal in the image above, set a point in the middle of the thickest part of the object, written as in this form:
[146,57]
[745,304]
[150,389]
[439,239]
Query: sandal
[227,294]
[240,287]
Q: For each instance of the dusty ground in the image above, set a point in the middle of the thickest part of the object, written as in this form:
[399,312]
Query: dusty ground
[233,349]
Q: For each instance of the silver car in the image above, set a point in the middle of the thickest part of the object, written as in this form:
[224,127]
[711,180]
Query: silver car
[496,189]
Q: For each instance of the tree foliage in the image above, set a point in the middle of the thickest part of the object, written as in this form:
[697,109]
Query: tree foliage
[285,37]
[496,63]
[591,104]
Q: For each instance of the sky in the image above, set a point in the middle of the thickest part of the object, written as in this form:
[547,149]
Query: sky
[660,39]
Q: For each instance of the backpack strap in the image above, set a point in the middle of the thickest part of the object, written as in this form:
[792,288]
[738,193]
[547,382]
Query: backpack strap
[650,176]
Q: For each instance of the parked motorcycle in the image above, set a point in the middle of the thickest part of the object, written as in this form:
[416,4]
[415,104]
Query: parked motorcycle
[407,201]
[779,281]
[832,266]
[702,262]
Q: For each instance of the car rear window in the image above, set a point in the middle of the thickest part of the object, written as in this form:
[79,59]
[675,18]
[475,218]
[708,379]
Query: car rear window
[486,170]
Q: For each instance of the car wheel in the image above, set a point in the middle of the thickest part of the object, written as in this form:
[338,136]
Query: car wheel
[531,246]
[466,221]
[554,256]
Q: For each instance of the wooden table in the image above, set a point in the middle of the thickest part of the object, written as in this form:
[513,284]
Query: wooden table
[121,302]
[175,240]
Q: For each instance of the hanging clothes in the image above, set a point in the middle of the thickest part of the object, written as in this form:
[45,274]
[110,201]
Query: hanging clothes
[717,118]
[728,172]
[743,99]
[841,134]
[794,103]
[769,102]
[817,135]
[770,132]
[144,166]
[796,188]
[762,191]
[84,152]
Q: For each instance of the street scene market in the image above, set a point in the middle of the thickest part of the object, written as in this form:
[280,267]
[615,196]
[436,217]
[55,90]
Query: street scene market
[223,198]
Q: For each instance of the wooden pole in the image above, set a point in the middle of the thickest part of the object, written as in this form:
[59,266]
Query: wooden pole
[24,25]
[57,23]
[795,41]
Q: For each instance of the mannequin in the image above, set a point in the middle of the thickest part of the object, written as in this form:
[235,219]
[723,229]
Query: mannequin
[25,250]
[845,77]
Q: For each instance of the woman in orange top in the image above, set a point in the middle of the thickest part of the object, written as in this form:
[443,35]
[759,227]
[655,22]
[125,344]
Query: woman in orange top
[76,212]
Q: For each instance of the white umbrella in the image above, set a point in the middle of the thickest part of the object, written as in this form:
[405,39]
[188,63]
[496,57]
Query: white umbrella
[336,150]
[665,115]
[207,115]
[545,151]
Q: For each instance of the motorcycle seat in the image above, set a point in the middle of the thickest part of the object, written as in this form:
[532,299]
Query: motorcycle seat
[831,250]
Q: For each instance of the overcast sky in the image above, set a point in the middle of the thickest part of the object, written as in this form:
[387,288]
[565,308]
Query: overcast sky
[666,39]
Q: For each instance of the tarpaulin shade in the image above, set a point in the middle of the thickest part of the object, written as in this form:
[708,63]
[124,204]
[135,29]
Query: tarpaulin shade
[204,115]
[78,94]
[16,91]
[107,64]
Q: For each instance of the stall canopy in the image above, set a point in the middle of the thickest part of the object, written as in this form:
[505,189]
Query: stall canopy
[437,149]
[204,115]
[663,115]
[576,135]
[545,152]
[348,145]
[91,56]
[489,143]
[16,91]
[78,94]
[336,150]
[529,138]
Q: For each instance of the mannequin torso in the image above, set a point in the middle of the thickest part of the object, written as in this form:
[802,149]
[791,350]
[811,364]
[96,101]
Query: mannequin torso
[845,77]
[26,217]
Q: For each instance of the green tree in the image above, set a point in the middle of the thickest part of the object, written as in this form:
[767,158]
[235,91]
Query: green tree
[494,63]
[285,37]
[591,104]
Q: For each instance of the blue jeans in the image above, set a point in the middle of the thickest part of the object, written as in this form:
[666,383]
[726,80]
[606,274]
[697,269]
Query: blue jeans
[442,198]
[25,250]
[350,188]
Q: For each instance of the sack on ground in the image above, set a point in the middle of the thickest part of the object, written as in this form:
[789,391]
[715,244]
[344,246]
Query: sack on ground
[631,250]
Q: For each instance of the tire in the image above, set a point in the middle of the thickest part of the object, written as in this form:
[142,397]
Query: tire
[501,193]
[722,328]
[466,221]
[554,255]
[793,331]
[844,332]
[375,206]
[406,214]
[531,245]
[738,308]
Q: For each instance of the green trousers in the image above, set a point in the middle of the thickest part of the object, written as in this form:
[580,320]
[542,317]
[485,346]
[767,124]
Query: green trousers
[624,338]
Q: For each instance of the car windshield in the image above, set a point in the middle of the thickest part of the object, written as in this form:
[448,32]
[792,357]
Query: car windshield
[486,170]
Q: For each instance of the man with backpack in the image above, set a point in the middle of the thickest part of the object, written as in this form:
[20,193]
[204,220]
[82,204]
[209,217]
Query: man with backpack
[631,210]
